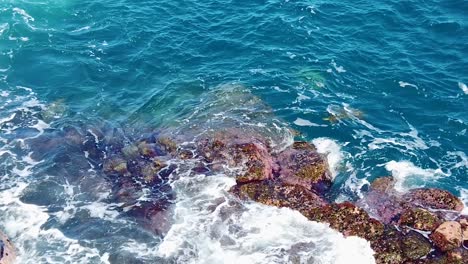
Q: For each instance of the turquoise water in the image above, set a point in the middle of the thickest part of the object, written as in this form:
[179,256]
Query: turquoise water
[382,86]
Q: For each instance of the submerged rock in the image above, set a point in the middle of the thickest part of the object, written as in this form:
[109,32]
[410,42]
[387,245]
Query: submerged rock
[7,250]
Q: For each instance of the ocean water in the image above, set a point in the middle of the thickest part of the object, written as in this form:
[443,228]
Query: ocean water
[380,88]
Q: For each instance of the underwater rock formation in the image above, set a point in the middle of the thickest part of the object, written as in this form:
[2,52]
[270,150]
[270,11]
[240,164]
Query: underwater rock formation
[7,250]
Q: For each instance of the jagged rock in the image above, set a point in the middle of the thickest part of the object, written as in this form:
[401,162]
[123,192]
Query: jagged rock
[302,165]
[277,194]
[447,236]
[434,198]
[420,219]
[348,219]
[7,250]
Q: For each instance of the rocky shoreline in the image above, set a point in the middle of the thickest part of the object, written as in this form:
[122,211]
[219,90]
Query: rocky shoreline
[419,226]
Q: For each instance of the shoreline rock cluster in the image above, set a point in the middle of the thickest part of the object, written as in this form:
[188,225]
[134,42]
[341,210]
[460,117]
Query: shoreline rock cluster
[420,226]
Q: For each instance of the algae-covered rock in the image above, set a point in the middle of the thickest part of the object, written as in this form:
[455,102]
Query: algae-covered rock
[447,236]
[434,198]
[116,165]
[302,165]
[420,219]
[7,250]
[277,194]
[415,246]
[348,219]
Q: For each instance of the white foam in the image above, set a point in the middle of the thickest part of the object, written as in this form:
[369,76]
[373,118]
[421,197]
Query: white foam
[464,198]
[304,122]
[463,87]
[338,69]
[332,150]
[211,227]
[408,175]
[404,84]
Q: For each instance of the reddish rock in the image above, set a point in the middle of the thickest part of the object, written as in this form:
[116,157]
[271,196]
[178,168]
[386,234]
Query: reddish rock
[7,250]
[420,219]
[302,165]
[447,236]
[276,194]
[434,198]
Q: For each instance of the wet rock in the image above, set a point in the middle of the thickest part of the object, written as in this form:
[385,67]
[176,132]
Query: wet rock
[383,184]
[420,219]
[257,160]
[130,152]
[277,194]
[149,171]
[348,219]
[7,250]
[415,246]
[185,154]
[149,150]
[463,220]
[434,198]
[388,249]
[248,153]
[302,165]
[167,144]
[447,236]
[116,165]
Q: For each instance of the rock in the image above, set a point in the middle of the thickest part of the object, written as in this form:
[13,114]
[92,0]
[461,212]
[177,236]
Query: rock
[419,219]
[185,154]
[415,246]
[464,225]
[167,144]
[434,198]
[277,194]
[115,165]
[387,247]
[257,160]
[383,184]
[7,250]
[302,165]
[348,219]
[447,236]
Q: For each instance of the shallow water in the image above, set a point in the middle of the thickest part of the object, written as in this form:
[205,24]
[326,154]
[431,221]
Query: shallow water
[379,88]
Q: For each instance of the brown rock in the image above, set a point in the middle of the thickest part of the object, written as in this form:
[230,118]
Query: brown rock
[447,236]
[348,219]
[275,194]
[420,219]
[383,184]
[302,165]
[434,198]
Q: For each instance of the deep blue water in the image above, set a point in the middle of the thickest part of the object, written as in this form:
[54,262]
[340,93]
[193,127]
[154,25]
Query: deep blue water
[385,81]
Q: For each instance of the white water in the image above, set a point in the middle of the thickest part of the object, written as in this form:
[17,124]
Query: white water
[213,227]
